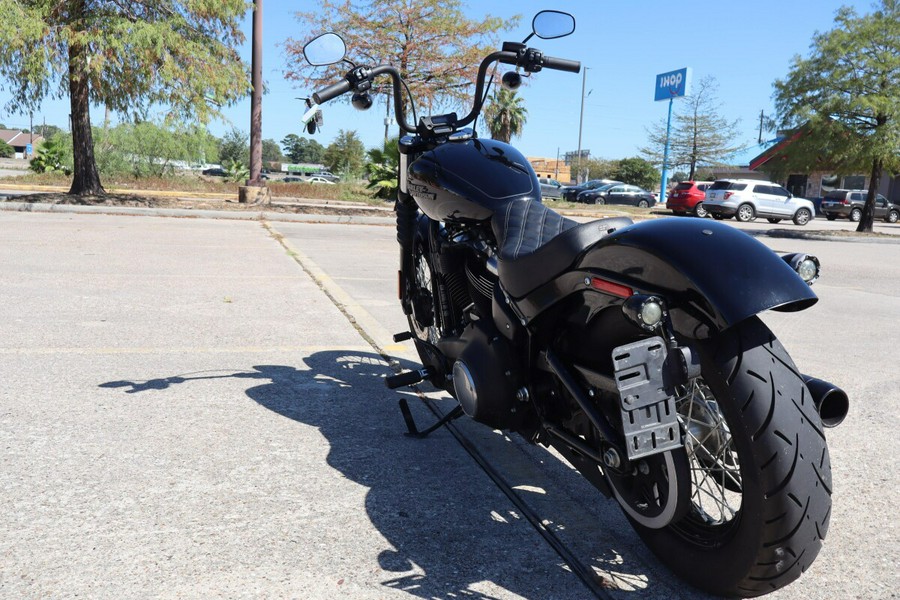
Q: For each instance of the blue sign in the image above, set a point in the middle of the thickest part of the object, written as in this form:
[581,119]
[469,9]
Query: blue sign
[28,149]
[673,84]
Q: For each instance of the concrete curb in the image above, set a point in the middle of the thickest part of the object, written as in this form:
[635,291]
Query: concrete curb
[195,213]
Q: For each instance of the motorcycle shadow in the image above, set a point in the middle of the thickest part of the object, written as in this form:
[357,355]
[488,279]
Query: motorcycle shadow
[449,531]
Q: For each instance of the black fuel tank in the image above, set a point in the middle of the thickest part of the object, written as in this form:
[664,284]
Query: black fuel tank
[470,179]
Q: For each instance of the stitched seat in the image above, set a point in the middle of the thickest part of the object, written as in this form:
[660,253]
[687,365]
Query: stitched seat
[536,244]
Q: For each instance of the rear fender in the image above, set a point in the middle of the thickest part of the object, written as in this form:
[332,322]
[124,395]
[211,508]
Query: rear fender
[711,275]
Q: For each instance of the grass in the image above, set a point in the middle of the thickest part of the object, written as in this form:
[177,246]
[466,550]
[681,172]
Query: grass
[352,192]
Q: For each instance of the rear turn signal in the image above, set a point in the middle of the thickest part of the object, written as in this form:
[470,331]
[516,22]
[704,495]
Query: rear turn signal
[645,311]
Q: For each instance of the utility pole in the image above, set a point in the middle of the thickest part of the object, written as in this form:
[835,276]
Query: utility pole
[255,192]
[580,124]
[759,141]
[256,98]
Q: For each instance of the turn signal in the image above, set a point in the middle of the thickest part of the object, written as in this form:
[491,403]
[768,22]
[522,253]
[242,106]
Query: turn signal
[644,311]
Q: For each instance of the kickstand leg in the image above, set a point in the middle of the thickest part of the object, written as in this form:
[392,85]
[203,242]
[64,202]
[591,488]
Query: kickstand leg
[411,424]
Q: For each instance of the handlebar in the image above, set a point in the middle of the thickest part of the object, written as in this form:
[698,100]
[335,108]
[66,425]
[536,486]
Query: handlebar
[332,91]
[530,60]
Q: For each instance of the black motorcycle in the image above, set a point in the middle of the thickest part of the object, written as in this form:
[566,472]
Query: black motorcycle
[633,349]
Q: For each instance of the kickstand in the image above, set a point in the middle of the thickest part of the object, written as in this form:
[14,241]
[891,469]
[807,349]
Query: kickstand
[411,424]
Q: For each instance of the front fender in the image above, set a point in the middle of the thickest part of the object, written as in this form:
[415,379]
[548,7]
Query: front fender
[711,273]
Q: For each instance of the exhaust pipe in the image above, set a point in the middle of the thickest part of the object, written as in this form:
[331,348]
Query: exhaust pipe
[831,401]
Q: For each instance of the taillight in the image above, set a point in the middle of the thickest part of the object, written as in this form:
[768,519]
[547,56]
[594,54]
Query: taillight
[845,202]
[728,195]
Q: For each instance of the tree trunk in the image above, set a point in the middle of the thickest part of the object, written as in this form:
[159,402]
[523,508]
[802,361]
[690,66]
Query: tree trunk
[867,221]
[86,180]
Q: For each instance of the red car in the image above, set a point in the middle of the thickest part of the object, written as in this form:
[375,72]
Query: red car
[687,197]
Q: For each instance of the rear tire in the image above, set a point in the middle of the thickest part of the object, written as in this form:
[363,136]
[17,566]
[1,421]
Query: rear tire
[892,217]
[700,211]
[761,475]
[830,217]
[745,213]
[643,204]
[855,215]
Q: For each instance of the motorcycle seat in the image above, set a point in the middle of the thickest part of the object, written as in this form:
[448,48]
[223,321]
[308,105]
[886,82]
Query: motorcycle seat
[536,244]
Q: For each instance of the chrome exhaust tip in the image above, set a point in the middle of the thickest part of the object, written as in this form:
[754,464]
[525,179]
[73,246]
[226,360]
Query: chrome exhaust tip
[831,402]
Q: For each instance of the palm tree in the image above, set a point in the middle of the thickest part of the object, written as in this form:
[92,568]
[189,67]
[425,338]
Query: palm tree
[505,115]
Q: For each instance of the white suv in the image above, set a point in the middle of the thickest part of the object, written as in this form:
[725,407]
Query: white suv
[746,199]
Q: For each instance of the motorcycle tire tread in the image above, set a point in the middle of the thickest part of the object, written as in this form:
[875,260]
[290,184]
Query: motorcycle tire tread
[785,465]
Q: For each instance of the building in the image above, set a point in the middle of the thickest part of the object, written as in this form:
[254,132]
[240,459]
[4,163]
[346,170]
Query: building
[20,141]
[551,168]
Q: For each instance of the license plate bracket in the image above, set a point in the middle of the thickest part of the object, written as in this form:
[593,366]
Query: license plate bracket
[649,420]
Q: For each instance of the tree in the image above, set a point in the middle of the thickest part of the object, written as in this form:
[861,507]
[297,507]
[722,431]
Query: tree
[302,150]
[127,56]
[271,152]
[434,45]
[235,147]
[593,168]
[505,115]
[846,98]
[699,135]
[382,169]
[346,154]
[637,171]
[6,150]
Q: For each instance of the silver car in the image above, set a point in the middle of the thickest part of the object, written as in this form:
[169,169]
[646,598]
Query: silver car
[747,199]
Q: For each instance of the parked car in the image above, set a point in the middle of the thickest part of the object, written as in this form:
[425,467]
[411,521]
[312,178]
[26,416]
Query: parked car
[848,204]
[215,172]
[293,179]
[688,197]
[747,199]
[332,178]
[550,188]
[318,179]
[570,193]
[619,193]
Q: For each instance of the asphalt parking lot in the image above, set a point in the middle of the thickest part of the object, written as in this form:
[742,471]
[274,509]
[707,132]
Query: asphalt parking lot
[194,408]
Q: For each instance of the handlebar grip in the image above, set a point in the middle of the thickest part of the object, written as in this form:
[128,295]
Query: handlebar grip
[332,91]
[561,64]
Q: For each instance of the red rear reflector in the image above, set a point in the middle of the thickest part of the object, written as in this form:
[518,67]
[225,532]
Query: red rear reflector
[616,289]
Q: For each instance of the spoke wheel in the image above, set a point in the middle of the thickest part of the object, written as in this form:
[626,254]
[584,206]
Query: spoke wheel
[422,321]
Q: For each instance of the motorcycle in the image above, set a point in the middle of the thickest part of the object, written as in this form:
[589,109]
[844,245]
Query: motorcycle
[633,349]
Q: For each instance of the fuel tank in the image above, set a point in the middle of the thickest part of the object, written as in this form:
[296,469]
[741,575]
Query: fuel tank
[467,180]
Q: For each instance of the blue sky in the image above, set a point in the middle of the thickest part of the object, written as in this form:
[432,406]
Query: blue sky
[624,44]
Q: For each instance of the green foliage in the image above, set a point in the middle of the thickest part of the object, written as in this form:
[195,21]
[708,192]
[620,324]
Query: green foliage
[844,100]
[637,171]
[51,156]
[177,53]
[147,149]
[700,136]
[302,150]
[6,150]
[345,155]
[235,147]
[436,47]
[271,152]
[127,56]
[236,171]
[382,169]
[505,115]
[593,168]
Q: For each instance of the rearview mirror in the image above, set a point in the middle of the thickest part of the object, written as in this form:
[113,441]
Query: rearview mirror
[326,49]
[551,24]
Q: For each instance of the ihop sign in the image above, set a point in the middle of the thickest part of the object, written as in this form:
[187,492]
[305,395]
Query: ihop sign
[673,84]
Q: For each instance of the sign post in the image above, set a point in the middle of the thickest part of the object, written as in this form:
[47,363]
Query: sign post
[669,86]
